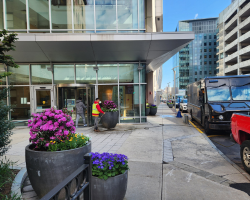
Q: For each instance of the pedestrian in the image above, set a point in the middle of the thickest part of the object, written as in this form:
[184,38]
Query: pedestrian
[96,110]
[80,111]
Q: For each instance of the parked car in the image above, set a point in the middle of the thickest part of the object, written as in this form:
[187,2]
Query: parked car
[212,101]
[183,105]
[240,128]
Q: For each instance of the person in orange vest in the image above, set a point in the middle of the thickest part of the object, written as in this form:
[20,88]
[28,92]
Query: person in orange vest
[96,110]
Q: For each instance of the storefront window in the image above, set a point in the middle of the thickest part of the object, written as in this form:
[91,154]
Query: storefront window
[107,73]
[64,74]
[2,70]
[83,14]
[141,14]
[41,74]
[20,101]
[143,74]
[85,74]
[128,73]
[19,76]
[105,14]
[16,14]
[61,14]
[127,12]
[39,14]
[108,92]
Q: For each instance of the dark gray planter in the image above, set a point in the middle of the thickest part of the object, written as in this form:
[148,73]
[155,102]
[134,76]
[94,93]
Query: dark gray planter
[110,119]
[147,111]
[47,169]
[153,111]
[170,105]
[114,188]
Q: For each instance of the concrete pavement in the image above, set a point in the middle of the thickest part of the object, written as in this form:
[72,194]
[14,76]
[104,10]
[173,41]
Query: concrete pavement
[192,168]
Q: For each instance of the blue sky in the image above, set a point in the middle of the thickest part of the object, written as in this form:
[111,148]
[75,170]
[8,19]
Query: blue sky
[177,10]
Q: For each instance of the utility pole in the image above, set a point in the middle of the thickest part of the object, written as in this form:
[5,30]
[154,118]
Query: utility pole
[174,89]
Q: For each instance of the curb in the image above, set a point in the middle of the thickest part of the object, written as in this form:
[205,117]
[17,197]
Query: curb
[18,182]
[222,154]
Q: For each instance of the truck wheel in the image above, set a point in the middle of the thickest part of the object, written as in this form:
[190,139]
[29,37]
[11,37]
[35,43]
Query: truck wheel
[206,127]
[245,155]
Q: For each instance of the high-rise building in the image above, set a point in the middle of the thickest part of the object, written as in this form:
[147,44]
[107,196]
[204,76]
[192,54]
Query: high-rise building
[111,49]
[233,38]
[197,59]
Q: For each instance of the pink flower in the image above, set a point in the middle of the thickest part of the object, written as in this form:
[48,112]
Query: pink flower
[66,132]
[64,119]
[52,137]
[29,121]
[44,117]
[47,144]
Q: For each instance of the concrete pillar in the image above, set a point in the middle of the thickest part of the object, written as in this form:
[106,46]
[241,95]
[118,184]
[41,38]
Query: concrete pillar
[239,72]
[150,88]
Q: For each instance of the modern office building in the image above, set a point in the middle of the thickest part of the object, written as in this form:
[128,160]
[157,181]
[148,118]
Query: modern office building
[234,38]
[113,49]
[197,59]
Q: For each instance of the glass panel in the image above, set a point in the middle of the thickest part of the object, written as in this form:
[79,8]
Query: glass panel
[105,14]
[19,76]
[141,14]
[61,14]
[129,100]
[128,73]
[43,99]
[85,74]
[143,100]
[143,73]
[81,92]
[2,70]
[241,92]
[39,14]
[41,74]
[84,14]
[130,120]
[108,92]
[218,94]
[64,74]
[127,12]
[1,14]
[20,100]
[16,14]
[107,73]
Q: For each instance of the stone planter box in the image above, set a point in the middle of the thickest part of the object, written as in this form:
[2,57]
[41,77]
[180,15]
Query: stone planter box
[147,111]
[114,188]
[47,169]
[110,119]
[153,111]
[170,105]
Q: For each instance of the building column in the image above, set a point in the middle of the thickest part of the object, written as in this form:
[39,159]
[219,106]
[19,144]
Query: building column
[150,88]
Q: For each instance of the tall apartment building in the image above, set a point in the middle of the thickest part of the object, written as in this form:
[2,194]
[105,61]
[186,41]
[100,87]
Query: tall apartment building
[198,59]
[234,39]
[113,49]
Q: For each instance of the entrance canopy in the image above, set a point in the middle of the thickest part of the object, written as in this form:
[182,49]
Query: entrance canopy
[152,48]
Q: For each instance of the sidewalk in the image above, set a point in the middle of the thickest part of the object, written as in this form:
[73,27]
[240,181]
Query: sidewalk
[193,169]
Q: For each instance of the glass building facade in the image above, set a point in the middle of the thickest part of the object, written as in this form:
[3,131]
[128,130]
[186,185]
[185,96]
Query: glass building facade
[198,59]
[72,16]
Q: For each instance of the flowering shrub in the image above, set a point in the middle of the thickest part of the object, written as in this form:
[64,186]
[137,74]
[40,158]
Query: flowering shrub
[153,106]
[109,106]
[107,165]
[50,125]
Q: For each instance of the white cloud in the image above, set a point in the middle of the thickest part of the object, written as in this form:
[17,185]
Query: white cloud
[196,16]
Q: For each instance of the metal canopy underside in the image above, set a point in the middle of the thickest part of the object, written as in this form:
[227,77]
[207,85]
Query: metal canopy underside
[152,48]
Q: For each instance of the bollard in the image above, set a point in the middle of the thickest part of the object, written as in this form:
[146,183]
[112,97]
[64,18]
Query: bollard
[185,119]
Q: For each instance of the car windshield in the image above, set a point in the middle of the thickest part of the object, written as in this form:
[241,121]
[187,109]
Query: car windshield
[185,101]
[218,94]
[241,92]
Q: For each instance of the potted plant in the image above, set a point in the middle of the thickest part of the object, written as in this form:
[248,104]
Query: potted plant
[55,152]
[147,109]
[170,105]
[111,117]
[153,109]
[109,176]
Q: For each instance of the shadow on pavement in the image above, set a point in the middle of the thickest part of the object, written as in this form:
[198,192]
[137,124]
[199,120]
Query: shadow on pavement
[245,187]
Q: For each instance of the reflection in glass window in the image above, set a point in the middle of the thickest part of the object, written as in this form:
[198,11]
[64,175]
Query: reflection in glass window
[16,14]
[105,14]
[107,73]
[41,74]
[39,14]
[128,73]
[83,14]
[64,74]
[241,92]
[218,94]
[43,100]
[127,12]
[61,14]
[108,92]
[19,76]
[141,14]
[85,74]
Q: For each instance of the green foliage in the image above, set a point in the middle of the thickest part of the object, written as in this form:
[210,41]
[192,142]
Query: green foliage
[110,110]
[6,177]
[75,141]
[5,124]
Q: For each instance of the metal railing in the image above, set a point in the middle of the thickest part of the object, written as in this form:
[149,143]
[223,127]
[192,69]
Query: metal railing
[80,180]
